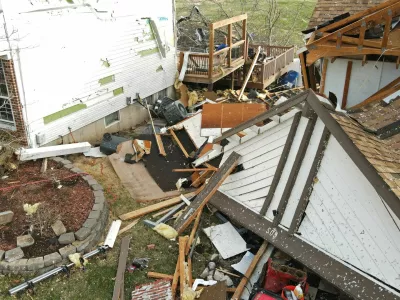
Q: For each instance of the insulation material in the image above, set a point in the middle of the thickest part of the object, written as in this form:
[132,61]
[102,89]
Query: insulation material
[157,290]
[226,239]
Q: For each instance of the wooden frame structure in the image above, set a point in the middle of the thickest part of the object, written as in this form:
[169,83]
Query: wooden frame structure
[214,65]
[338,39]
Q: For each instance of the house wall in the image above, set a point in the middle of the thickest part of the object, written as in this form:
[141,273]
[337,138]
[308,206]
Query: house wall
[77,63]
[364,80]
[346,217]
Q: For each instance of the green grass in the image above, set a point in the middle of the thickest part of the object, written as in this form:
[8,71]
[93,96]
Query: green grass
[294,17]
[97,282]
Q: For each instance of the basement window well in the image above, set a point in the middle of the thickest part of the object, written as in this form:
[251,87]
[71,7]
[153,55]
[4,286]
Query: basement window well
[111,119]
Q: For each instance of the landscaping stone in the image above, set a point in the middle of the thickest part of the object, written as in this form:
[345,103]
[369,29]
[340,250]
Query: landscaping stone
[66,161]
[87,177]
[82,233]
[94,214]
[35,263]
[69,166]
[66,238]
[98,193]
[58,159]
[18,265]
[96,187]
[77,170]
[6,217]
[99,199]
[98,206]
[90,223]
[13,254]
[82,245]
[2,254]
[92,182]
[67,250]
[58,228]
[52,259]
[25,241]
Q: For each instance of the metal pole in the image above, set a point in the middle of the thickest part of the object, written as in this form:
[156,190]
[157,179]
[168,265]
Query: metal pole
[53,272]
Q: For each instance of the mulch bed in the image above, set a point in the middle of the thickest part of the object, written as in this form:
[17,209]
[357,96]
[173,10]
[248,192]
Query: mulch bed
[71,204]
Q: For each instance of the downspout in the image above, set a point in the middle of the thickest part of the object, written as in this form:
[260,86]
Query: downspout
[21,81]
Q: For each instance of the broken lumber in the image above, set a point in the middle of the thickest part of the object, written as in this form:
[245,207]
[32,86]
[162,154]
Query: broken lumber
[243,282]
[119,279]
[182,274]
[249,72]
[201,179]
[160,276]
[160,145]
[163,212]
[149,209]
[193,232]
[44,166]
[175,280]
[179,143]
[207,192]
[194,170]
[50,151]
[129,226]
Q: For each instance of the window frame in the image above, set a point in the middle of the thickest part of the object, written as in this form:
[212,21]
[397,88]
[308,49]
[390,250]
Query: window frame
[6,98]
[113,122]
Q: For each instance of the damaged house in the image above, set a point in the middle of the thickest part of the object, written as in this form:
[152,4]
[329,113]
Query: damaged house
[103,55]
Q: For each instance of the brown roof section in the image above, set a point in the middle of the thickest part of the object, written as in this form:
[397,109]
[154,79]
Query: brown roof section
[380,153]
[325,10]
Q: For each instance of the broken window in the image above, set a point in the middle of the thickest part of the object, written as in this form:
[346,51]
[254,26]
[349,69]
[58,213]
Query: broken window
[111,118]
[6,114]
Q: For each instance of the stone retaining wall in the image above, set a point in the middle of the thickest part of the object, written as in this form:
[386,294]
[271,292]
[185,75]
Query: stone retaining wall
[86,238]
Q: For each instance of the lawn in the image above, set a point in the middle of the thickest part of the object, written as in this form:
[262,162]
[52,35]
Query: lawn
[294,16]
[97,282]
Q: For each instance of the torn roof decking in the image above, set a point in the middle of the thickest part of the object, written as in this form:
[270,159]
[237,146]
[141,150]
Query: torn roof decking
[350,242]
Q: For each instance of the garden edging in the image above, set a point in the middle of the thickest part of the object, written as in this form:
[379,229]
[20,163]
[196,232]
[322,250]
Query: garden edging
[86,238]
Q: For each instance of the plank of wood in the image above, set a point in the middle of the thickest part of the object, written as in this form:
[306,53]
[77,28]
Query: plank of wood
[182,246]
[129,226]
[160,145]
[163,212]
[201,178]
[175,279]
[193,233]
[160,276]
[225,22]
[243,282]
[50,151]
[179,143]
[323,76]
[249,72]
[194,170]
[205,195]
[43,168]
[346,84]
[151,208]
[189,271]
[119,279]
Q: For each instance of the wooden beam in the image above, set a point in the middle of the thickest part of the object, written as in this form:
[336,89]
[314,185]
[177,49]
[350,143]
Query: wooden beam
[346,84]
[364,60]
[264,116]
[211,53]
[397,62]
[202,178]
[249,272]
[230,46]
[119,279]
[193,233]
[189,271]
[50,151]
[301,152]
[244,37]
[160,145]
[205,195]
[323,76]
[304,70]
[225,22]
[160,276]
[388,23]
[328,267]
[249,73]
[175,280]
[151,208]
[312,79]
[182,246]
[308,187]
[179,143]
[281,163]
[129,226]
[193,170]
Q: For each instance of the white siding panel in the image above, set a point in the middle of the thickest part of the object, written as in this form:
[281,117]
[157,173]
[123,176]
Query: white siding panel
[303,173]
[241,190]
[346,207]
[288,167]
[248,180]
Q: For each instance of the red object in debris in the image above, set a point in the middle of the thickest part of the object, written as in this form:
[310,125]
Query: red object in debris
[276,280]
[290,288]
[261,296]
[151,247]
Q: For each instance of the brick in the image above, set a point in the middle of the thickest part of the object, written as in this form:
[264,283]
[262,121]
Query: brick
[90,223]
[25,241]
[58,228]
[66,238]
[52,259]
[67,250]
[82,233]
[6,217]
[94,214]
[35,263]
[13,254]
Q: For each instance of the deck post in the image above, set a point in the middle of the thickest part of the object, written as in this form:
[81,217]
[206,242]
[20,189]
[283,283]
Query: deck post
[230,45]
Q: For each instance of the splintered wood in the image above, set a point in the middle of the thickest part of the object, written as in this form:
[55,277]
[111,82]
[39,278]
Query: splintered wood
[205,195]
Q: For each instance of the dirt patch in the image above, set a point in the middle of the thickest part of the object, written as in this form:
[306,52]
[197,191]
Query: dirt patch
[71,204]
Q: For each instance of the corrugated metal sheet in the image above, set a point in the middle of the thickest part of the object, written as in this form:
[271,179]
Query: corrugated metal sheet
[346,217]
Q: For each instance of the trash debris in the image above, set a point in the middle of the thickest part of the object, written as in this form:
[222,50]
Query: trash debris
[31,209]
[226,239]
[78,260]
[151,247]
[138,263]
[160,289]
[94,152]
[50,151]
[166,231]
